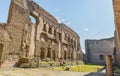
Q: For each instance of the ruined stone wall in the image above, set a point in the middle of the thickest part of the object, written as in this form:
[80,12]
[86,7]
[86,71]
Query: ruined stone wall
[96,50]
[5,39]
[17,21]
[19,37]
[116,7]
[70,43]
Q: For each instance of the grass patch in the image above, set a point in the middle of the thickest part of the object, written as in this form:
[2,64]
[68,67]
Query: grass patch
[116,70]
[80,68]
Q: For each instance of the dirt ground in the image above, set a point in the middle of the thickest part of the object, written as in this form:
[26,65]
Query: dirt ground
[36,72]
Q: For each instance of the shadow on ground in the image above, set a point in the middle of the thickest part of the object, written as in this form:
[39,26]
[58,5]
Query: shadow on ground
[98,74]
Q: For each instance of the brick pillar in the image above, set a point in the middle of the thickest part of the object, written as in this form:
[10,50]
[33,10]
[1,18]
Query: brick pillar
[32,42]
[109,70]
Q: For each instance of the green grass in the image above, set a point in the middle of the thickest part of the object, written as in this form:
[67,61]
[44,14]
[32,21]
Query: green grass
[116,70]
[81,68]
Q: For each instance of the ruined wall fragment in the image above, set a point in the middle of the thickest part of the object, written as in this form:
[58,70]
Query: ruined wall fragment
[96,50]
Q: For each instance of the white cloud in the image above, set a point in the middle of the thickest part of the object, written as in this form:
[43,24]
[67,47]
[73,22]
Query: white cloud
[75,26]
[68,23]
[86,29]
[83,50]
[63,20]
[60,20]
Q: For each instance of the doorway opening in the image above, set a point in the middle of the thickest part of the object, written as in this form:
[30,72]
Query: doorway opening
[1,51]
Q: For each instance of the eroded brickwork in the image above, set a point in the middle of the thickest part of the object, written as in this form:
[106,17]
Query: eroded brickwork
[96,50]
[46,39]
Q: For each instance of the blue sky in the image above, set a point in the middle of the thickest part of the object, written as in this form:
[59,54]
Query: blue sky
[91,19]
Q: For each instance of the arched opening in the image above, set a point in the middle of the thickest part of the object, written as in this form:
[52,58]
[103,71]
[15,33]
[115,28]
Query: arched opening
[43,37]
[65,53]
[72,56]
[69,55]
[42,54]
[54,55]
[114,53]
[55,32]
[44,27]
[33,20]
[50,30]
[34,16]
[49,52]
[1,50]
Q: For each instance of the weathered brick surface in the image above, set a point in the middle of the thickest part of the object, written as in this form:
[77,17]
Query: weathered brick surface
[95,48]
[19,37]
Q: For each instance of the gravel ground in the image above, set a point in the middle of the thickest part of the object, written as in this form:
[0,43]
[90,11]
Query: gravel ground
[43,72]
[37,72]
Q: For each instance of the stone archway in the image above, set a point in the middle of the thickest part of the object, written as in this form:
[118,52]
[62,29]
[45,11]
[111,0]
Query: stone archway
[42,53]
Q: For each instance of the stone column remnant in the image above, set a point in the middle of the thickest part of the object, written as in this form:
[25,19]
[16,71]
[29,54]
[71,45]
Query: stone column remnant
[109,70]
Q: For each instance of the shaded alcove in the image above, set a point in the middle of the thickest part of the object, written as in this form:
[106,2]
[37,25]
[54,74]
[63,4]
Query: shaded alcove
[1,51]
[42,53]
[54,55]
[49,52]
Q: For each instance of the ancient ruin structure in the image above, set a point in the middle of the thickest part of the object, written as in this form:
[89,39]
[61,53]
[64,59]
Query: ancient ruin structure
[116,6]
[96,50]
[46,38]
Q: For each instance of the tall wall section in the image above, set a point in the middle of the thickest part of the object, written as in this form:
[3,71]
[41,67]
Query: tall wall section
[96,50]
[20,37]
[18,20]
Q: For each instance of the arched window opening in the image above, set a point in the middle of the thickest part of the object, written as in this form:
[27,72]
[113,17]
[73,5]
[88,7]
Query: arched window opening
[101,57]
[42,54]
[65,36]
[68,39]
[74,43]
[54,32]
[44,27]
[33,19]
[54,55]
[71,40]
[114,51]
[50,30]
[49,53]
[1,51]
[65,55]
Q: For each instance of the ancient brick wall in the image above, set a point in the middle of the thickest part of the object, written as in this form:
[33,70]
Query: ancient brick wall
[96,50]
[18,18]
[19,37]
[70,43]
